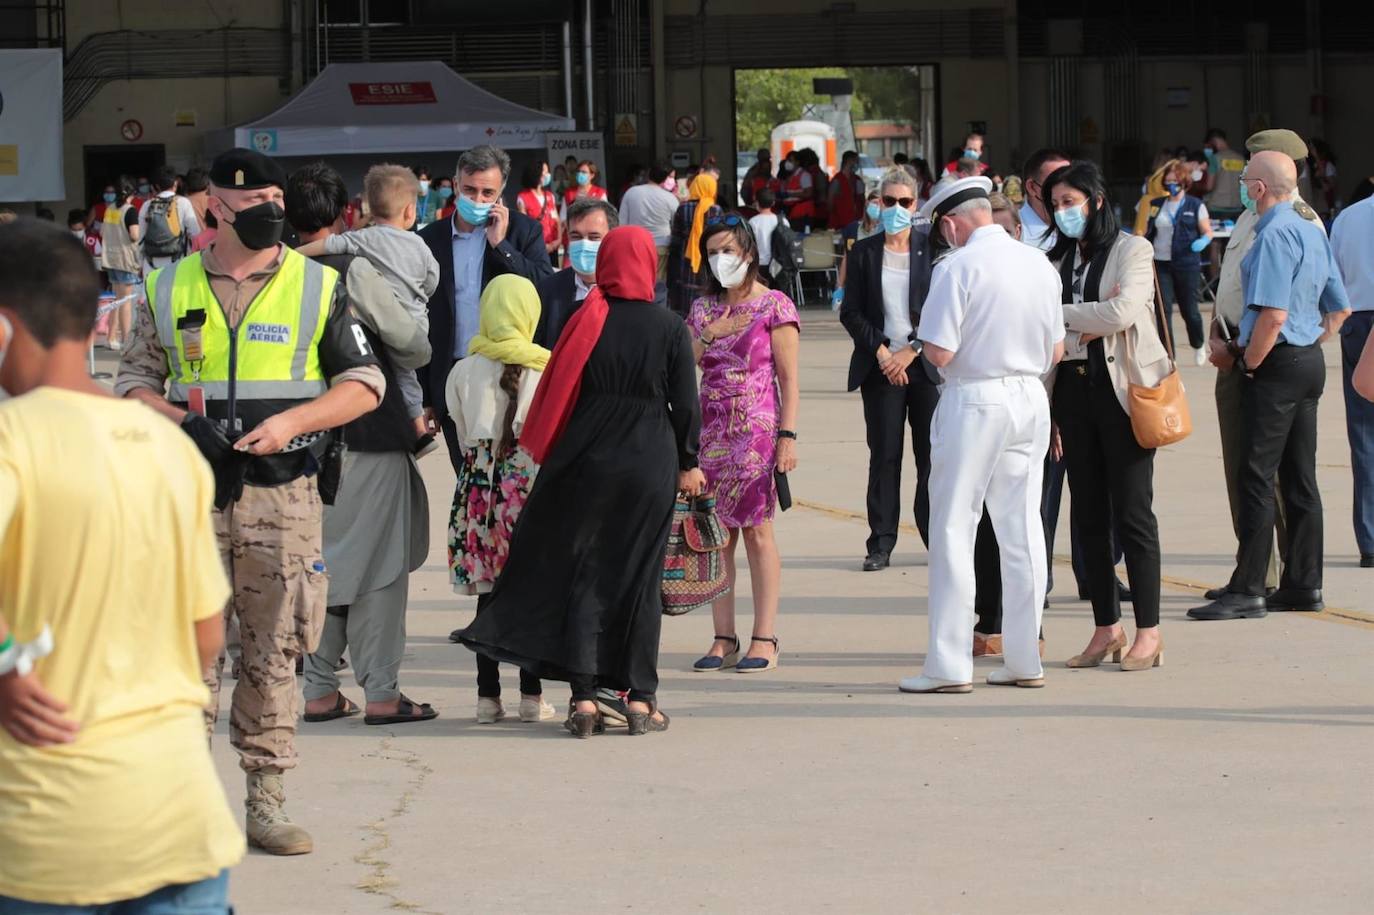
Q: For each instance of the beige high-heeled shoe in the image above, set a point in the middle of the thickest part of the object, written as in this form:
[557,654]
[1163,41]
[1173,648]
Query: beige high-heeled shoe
[1094,658]
[1147,662]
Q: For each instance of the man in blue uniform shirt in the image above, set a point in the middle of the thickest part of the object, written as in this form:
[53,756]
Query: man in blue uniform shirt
[1293,296]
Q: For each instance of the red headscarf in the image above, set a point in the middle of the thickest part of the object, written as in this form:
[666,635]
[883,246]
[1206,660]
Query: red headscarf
[626,265]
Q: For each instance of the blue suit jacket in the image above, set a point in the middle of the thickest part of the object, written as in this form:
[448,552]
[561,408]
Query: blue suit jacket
[522,253]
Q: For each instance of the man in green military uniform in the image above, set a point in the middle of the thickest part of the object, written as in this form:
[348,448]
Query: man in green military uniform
[250,348]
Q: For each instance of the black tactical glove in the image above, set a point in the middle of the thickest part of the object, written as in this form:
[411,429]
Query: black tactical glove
[227,464]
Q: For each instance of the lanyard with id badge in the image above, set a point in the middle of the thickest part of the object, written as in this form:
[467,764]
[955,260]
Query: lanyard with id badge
[192,328]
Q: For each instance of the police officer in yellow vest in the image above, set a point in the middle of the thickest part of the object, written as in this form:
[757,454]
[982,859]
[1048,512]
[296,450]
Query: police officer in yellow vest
[249,346]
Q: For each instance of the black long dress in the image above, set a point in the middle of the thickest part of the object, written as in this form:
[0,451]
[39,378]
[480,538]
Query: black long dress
[580,597]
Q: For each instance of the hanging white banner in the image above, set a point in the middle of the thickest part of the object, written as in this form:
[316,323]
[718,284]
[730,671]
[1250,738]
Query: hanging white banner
[31,125]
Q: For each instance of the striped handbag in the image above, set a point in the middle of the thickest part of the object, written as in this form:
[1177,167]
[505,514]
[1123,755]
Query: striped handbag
[694,565]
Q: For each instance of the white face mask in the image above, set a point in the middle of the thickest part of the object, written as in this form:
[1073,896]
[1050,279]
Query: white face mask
[1197,175]
[729,269]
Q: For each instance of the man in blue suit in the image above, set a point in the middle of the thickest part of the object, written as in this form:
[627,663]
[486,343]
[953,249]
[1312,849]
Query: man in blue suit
[484,239]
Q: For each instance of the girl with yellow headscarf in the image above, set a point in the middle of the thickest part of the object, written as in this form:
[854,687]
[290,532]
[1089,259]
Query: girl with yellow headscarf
[489,394]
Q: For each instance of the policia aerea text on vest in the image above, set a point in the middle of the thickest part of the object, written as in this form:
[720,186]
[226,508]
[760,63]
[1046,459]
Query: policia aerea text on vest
[262,357]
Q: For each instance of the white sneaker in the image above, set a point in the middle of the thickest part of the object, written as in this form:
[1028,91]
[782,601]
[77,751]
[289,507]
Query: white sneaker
[489,711]
[1200,356]
[924,684]
[532,710]
[1003,677]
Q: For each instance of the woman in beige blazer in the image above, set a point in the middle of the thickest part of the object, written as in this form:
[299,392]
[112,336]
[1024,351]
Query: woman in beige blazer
[1111,342]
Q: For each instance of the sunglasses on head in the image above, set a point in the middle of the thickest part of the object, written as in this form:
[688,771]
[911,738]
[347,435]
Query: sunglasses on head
[729,219]
[903,202]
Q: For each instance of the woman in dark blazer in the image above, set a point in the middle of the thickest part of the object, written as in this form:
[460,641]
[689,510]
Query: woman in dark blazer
[897,384]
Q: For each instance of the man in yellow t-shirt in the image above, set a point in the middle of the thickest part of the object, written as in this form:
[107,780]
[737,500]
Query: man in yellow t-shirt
[108,558]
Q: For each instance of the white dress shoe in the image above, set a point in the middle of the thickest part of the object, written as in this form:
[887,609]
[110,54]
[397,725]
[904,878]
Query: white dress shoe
[1003,677]
[924,684]
[489,711]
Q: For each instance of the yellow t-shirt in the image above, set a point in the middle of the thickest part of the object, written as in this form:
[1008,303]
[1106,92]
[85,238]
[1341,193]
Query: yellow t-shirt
[106,536]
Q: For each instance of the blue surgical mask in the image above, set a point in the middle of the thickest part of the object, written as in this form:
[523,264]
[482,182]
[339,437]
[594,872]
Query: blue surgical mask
[445,193]
[874,211]
[896,219]
[472,212]
[1245,199]
[583,179]
[111,198]
[145,188]
[424,188]
[1072,221]
[1172,187]
[972,154]
[548,179]
[582,255]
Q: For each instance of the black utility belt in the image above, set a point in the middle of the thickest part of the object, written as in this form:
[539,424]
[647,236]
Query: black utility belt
[279,469]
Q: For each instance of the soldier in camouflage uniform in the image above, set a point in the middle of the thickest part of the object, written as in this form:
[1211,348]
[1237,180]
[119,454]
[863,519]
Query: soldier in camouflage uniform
[250,348]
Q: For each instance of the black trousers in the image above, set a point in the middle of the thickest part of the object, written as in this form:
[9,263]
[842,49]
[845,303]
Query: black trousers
[888,410]
[1279,406]
[455,447]
[1181,284]
[489,672]
[1111,478]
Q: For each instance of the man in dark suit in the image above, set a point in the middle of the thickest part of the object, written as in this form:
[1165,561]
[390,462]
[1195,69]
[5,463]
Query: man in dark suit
[484,239]
[561,294]
[898,386]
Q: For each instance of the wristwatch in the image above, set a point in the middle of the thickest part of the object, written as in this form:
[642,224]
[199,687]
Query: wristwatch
[706,339]
[787,433]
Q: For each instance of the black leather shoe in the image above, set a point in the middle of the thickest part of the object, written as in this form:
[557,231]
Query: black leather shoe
[876,562]
[1231,606]
[1367,560]
[1216,593]
[455,636]
[1307,600]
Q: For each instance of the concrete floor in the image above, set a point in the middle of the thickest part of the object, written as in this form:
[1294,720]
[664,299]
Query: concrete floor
[1237,778]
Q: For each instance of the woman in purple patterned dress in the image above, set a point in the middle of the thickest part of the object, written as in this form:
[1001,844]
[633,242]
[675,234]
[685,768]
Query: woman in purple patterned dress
[746,338]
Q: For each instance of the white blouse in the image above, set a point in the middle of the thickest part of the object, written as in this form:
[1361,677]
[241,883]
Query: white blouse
[477,403]
[897,298]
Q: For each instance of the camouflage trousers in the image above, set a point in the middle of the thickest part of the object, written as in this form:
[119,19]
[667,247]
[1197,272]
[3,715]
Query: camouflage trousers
[271,543]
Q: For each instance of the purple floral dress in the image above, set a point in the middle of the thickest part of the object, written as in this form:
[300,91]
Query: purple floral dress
[740,404]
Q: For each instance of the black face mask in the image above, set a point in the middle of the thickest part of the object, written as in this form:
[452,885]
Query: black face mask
[259,226]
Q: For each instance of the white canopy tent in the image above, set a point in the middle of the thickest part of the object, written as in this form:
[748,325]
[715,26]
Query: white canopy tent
[404,107]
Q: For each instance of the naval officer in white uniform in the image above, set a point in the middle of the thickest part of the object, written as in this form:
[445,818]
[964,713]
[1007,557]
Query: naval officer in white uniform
[994,327]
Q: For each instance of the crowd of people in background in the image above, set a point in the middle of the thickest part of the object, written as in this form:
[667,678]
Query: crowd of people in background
[585,359]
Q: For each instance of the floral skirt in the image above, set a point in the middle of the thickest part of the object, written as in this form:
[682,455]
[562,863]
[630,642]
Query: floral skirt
[486,504]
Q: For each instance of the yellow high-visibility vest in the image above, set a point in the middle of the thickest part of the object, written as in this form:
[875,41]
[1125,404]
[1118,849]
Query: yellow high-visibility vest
[276,343]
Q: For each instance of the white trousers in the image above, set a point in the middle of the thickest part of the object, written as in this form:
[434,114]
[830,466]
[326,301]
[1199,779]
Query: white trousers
[987,445]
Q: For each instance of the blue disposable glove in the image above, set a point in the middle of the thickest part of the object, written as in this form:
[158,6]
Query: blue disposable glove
[1200,243]
[837,298]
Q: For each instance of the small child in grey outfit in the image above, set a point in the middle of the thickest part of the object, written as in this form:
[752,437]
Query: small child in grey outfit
[402,257]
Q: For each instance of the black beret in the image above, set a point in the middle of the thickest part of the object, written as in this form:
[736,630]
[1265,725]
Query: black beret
[246,170]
